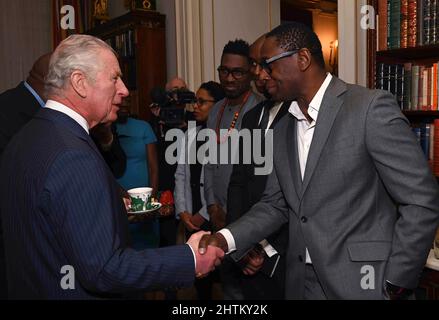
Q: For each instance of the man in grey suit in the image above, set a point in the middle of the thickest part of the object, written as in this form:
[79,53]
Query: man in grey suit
[349,178]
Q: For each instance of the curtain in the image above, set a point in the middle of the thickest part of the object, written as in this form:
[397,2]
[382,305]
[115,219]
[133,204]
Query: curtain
[25,35]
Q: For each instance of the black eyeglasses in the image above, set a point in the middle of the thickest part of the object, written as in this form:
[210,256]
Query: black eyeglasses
[201,101]
[265,64]
[236,73]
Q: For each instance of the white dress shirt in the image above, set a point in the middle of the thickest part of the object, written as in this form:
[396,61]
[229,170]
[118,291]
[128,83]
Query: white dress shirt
[305,133]
[54,105]
[273,113]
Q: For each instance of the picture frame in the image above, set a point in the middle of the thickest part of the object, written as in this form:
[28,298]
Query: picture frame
[142,5]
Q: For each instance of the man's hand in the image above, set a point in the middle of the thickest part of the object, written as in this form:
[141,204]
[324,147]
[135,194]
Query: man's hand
[394,292]
[217,216]
[166,210]
[197,220]
[216,239]
[127,202]
[186,217]
[253,261]
[207,261]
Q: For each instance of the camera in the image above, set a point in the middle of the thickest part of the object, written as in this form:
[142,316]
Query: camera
[172,104]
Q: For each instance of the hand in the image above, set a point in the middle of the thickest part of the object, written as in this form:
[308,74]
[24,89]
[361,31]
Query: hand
[394,292]
[217,216]
[207,261]
[253,261]
[127,202]
[216,239]
[197,220]
[166,210]
[186,217]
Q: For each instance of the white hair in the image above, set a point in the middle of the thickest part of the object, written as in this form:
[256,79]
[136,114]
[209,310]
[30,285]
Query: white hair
[77,52]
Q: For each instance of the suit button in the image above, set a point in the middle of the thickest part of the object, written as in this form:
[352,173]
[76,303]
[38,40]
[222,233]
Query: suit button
[304,219]
[300,258]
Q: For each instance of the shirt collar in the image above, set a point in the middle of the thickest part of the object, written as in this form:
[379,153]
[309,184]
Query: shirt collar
[314,105]
[54,105]
[34,93]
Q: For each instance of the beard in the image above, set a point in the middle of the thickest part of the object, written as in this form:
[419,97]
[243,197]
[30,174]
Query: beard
[234,94]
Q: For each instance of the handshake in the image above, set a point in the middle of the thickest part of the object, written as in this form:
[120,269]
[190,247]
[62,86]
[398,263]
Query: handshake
[209,251]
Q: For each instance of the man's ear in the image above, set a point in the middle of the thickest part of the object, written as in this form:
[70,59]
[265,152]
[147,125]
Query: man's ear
[79,83]
[304,59]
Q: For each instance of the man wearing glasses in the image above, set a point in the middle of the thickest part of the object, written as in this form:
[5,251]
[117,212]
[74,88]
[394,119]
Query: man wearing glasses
[226,115]
[261,272]
[349,178]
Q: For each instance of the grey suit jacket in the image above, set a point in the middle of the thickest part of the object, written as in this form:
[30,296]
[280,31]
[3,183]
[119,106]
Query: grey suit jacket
[183,189]
[368,206]
[217,176]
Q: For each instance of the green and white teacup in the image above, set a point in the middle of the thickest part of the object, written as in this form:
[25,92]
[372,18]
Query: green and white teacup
[139,198]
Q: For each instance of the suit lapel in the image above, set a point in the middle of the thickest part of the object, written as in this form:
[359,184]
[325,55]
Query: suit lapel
[329,108]
[293,155]
[283,110]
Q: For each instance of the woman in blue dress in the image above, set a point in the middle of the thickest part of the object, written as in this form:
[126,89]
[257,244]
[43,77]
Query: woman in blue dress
[138,142]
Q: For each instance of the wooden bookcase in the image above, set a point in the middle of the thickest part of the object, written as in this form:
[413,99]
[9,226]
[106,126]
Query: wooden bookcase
[419,56]
[422,54]
[139,38]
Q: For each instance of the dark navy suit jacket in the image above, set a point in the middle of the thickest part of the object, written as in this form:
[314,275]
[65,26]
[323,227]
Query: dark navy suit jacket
[60,206]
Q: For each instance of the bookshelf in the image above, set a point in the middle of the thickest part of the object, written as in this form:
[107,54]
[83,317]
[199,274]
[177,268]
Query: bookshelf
[403,58]
[138,37]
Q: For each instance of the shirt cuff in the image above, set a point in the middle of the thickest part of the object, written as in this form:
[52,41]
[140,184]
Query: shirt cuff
[269,250]
[229,239]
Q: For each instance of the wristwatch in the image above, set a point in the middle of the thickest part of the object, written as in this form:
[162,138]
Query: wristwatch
[394,292]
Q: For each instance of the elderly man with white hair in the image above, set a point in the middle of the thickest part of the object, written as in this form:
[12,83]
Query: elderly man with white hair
[65,225]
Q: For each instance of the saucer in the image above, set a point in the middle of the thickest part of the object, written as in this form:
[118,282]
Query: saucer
[156,206]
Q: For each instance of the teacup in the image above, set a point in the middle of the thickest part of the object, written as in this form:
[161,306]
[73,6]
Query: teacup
[139,198]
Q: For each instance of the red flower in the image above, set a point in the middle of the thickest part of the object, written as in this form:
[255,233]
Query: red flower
[166,198]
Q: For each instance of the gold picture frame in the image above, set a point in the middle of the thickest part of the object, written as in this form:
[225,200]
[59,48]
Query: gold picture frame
[100,9]
[143,5]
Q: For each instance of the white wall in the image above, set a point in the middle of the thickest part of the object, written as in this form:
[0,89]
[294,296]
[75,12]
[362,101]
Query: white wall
[197,30]
[352,43]
[203,27]
[245,19]
[25,35]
